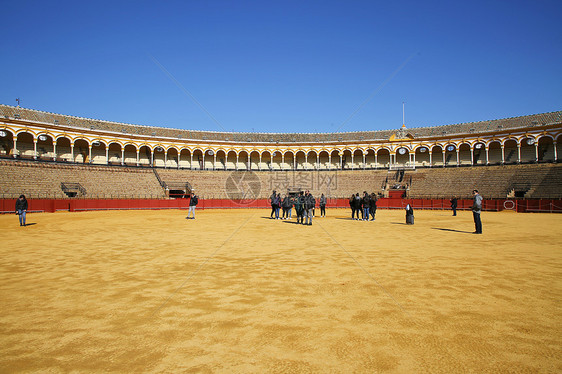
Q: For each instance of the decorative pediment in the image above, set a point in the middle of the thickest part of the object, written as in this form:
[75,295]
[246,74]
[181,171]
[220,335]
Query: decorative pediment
[401,135]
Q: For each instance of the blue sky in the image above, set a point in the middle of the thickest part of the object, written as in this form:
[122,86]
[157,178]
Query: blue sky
[283,66]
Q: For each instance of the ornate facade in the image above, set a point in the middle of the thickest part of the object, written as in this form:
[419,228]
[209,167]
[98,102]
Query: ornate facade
[34,134]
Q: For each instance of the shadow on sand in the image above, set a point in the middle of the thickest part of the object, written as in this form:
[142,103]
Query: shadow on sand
[464,232]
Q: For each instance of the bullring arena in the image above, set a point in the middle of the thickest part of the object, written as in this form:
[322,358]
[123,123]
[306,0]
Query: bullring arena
[110,276]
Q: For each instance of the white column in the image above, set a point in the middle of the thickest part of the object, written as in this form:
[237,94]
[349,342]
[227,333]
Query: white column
[259,162]
[376,160]
[138,156]
[519,153]
[72,152]
[341,161]
[536,152]
[90,153]
[414,158]
[191,160]
[458,158]
[15,146]
[179,154]
[487,158]
[55,150]
[123,156]
[503,153]
[352,160]
[294,162]
[152,158]
[444,157]
[107,154]
[329,161]
[471,156]
[364,161]
[317,161]
[430,157]
[555,153]
[214,161]
[35,149]
[165,159]
[236,165]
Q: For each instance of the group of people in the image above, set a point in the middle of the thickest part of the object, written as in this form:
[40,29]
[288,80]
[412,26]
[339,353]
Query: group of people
[304,204]
[366,206]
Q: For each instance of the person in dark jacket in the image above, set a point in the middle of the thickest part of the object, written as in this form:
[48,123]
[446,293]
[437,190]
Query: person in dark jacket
[476,210]
[366,203]
[299,207]
[373,206]
[454,205]
[272,201]
[193,201]
[323,206]
[21,209]
[409,215]
[309,203]
[285,205]
[352,205]
[357,205]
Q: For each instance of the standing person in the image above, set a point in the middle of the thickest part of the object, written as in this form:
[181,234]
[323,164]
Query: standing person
[290,207]
[309,203]
[366,202]
[323,205]
[272,201]
[193,201]
[21,209]
[352,205]
[357,205]
[454,205]
[409,215]
[285,206]
[373,206]
[299,207]
[476,210]
[277,205]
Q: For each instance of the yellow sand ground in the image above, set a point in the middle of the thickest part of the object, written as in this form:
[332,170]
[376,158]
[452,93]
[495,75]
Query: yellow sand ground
[232,291]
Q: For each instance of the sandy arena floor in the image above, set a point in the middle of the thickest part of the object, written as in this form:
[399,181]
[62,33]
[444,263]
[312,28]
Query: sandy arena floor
[232,291]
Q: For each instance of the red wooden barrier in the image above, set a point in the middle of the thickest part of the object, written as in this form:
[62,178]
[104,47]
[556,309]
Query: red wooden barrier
[52,205]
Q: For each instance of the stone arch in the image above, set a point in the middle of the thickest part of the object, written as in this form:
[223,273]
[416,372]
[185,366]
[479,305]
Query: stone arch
[402,155]
[220,163]
[370,159]
[114,153]
[546,148]
[421,153]
[159,156]
[528,149]
[289,160]
[81,151]
[6,142]
[300,157]
[466,154]
[311,162]
[198,159]
[45,146]
[266,160]
[510,150]
[130,154]
[24,146]
[323,159]
[254,160]
[243,160]
[436,155]
[383,157]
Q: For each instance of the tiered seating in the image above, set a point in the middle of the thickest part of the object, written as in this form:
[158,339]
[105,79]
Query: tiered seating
[38,180]
[536,181]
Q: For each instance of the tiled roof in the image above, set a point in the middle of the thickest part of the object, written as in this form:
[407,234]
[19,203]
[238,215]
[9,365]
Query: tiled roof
[7,111]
